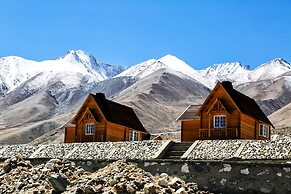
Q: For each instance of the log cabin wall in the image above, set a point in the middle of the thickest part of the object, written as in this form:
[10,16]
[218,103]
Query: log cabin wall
[115,132]
[69,134]
[248,127]
[190,130]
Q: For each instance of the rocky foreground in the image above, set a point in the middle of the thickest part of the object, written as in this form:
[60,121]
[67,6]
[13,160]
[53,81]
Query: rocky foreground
[57,176]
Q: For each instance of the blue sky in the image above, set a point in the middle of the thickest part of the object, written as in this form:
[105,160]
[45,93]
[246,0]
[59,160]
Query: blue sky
[127,32]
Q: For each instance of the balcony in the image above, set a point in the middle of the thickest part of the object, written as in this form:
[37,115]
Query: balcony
[232,133]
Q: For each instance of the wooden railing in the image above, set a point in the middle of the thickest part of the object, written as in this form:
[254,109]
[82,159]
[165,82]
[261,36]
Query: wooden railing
[232,133]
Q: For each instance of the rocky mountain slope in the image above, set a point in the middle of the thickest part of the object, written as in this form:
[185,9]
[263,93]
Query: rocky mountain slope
[33,114]
[271,94]
[281,117]
[161,97]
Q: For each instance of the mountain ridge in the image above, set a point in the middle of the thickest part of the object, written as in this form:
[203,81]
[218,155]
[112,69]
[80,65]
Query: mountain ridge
[44,98]
[16,70]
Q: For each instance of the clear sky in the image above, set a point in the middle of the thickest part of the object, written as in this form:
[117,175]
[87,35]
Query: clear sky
[130,31]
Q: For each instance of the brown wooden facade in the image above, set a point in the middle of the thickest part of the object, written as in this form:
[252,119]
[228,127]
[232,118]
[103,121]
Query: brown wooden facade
[100,119]
[225,114]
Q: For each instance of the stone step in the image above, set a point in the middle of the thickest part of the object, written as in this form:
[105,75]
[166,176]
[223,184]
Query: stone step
[180,146]
[176,150]
[172,157]
[174,153]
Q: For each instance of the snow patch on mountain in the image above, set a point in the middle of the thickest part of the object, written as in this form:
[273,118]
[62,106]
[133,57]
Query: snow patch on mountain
[232,71]
[238,74]
[150,66]
[270,70]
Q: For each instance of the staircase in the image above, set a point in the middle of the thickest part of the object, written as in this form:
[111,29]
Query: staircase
[176,150]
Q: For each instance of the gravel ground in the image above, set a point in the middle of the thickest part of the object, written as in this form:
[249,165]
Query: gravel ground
[54,151]
[214,149]
[14,150]
[267,149]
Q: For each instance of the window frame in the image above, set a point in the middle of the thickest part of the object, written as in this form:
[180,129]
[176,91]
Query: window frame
[264,129]
[92,129]
[134,135]
[219,122]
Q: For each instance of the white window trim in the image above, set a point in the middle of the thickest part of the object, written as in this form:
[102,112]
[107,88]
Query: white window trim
[265,131]
[133,134]
[92,131]
[219,125]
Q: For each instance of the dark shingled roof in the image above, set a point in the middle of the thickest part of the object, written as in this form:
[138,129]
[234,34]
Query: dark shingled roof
[246,104]
[190,113]
[118,113]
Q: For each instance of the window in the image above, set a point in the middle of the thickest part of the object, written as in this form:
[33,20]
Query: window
[89,129]
[263,130]
[133,136]
[219,121]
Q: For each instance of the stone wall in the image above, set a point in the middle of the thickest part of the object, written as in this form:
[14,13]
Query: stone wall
[226,177]
[278,149]
[85,151]
[226,166]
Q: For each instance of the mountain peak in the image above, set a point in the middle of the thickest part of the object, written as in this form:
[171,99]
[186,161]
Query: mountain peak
[171,59]
[225,68]
[168,56]
[279,61]
[77,55]
[77,52]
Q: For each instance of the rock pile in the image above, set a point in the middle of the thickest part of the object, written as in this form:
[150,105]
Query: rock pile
[19,176]
[56,176]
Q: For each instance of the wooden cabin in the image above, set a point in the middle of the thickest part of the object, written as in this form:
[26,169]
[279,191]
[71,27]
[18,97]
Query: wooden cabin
[100,119]
[225,114]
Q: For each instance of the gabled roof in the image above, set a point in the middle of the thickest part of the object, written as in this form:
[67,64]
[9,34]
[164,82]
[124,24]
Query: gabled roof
[118,113]
[190,113]
[245,104]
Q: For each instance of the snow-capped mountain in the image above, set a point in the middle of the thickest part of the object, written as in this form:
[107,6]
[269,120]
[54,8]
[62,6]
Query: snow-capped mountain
[270,70]
[239,74]
[233,71]
[148,67]
[16,70]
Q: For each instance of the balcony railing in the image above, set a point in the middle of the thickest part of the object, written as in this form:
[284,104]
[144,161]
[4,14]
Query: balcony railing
[232,133]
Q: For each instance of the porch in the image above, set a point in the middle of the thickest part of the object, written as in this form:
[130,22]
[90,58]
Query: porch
[219,133]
